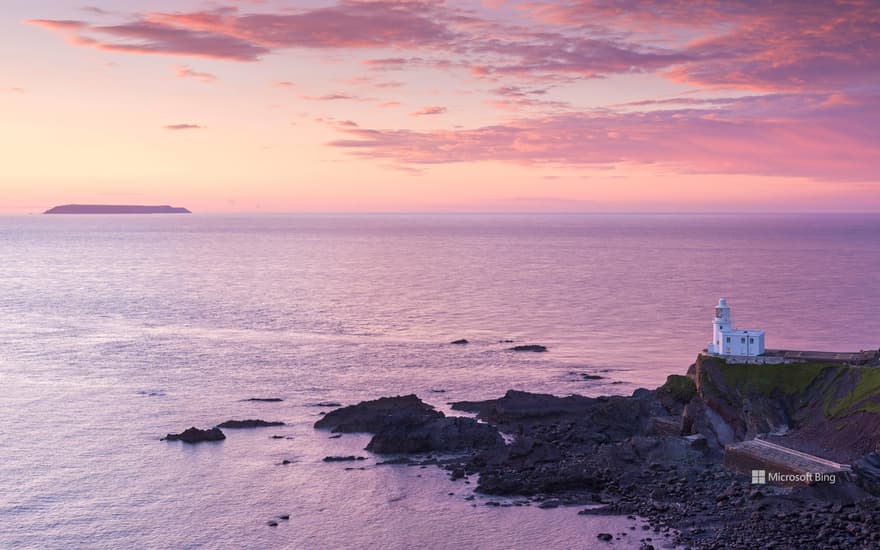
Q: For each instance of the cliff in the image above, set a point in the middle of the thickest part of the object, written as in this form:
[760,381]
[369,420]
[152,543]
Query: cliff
[832,410]
[115,209]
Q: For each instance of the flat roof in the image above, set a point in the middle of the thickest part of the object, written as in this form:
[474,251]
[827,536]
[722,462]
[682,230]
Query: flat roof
[742,331]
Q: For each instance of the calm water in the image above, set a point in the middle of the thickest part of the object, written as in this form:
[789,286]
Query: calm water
[116,330]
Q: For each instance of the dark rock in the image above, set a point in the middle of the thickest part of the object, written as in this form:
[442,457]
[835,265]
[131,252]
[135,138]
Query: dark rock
[277,437]
[337,436]
[373,416]
[680,388]
[272,523]
[264,399]
[868,470]
[240,424]
[350,458]
[444,434]
[285,462]
[459,342]
[529,347]
[284,517]
[407,425]
[325,404]
[587,376]
[605,537]
[195,435]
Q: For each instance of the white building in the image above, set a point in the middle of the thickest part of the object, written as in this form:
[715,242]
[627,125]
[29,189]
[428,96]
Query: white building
[727,340]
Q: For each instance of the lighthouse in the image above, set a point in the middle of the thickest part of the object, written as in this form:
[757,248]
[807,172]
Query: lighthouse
[726,340]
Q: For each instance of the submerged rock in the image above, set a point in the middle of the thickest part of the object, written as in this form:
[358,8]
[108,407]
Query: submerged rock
[264,399]
[350,458]
[530,347]
[459,342]
[195,435]
[239,424]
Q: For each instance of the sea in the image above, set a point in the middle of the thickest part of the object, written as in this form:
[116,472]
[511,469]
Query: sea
[116,330]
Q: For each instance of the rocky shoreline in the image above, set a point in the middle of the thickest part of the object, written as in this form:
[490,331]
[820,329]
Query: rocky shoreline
[657,454]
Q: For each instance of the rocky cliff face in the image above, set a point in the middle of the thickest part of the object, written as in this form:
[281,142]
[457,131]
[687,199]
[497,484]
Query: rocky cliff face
[832,410]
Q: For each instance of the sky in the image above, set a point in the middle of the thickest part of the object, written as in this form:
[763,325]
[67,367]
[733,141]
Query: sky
[434,106]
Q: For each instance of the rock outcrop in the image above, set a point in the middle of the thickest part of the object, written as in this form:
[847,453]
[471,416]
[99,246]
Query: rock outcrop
[405,424]
[657,452]
[530,347]
[195,435]
[831,410]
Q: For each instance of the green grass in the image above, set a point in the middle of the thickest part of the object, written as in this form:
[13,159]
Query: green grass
[787,378]
[681,388]
[868,385]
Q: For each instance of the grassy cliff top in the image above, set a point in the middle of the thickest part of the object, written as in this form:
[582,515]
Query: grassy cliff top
[841,389]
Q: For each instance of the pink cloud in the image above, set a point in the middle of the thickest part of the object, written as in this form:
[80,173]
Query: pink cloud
[226,33]
[58,24]
[432,110]
[770,46]
[335,97]
[283,84]
[785,135]
[782,45]
[144,37]
[186,72]
[397,62]
[183,127]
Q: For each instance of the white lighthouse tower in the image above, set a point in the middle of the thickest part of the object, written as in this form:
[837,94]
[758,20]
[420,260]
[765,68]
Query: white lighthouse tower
[721,322]
[729,341]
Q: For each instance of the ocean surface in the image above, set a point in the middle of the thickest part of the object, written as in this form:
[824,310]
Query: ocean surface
[115,330]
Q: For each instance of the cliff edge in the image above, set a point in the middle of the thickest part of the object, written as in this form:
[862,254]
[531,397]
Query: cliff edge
[828,409]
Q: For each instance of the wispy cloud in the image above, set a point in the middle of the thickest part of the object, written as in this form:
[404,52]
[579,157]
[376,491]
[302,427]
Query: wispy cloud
[183,127]
[785,135]
[186,72]
[427,111]
[335,97]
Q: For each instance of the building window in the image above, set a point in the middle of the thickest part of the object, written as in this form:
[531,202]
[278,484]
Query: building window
[728,339]
[751,340]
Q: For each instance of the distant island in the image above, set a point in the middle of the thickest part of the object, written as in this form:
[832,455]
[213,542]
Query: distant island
[115,209]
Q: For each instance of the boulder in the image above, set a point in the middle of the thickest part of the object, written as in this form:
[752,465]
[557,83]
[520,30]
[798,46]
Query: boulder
[195,435]
[459,342]
[374,416]
[530,347]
